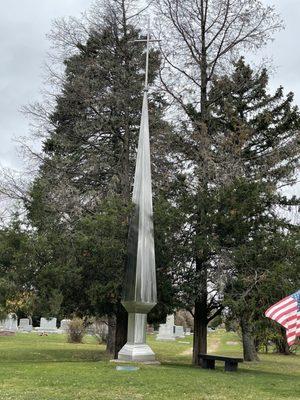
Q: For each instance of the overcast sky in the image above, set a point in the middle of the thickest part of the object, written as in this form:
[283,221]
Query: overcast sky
[23,48]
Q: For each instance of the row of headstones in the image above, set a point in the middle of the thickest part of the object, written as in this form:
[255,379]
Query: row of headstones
[167,331]
[170,331]
[46,325]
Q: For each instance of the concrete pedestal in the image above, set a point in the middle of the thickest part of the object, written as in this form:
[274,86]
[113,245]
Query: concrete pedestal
[136,348]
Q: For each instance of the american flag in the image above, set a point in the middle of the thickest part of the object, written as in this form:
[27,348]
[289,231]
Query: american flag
[287,313]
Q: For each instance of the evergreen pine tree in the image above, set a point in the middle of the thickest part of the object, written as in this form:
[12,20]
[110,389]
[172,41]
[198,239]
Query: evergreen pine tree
[257,145]
[83,191]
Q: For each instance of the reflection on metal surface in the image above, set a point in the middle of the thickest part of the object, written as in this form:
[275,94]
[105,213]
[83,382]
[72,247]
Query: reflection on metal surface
[140,279]
[139,295]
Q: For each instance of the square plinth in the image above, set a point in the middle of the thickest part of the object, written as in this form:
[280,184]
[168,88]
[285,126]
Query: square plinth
[136,353]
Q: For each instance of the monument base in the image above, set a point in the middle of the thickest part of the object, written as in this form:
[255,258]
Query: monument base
[136,353]
[116,361]
[136,349]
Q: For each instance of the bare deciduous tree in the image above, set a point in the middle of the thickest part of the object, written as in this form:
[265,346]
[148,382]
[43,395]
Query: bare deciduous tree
[200,40]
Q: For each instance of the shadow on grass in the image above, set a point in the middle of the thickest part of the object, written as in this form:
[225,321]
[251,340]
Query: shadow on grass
[54,355]
[283,382]
[241,371]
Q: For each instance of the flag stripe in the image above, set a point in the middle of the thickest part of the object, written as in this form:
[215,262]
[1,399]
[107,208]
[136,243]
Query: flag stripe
[277,305]
[289,308]
[285,305]
[287,313]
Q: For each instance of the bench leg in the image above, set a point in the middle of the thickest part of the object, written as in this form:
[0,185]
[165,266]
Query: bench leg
[208,364]
[231,366]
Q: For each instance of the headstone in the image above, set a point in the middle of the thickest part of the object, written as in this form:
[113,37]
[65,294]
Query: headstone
[24,325]
[187,331]
[64,324]
[10,323]
[170,320]
[178,332]
[47,325]
[102,328]
[166,331]
[98,329]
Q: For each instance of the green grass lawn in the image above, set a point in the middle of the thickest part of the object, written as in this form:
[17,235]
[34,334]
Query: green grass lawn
[46,367]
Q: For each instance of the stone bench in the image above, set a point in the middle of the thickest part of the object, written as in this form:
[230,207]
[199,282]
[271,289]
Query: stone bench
[207,361]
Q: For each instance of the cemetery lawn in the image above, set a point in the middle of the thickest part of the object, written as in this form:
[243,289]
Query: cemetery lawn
[36,367]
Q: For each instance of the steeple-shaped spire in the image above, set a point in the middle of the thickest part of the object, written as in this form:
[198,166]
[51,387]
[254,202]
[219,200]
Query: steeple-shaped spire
[140,277]
[139,295]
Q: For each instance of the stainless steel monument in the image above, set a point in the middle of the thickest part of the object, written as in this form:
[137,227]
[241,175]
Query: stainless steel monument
[139,295]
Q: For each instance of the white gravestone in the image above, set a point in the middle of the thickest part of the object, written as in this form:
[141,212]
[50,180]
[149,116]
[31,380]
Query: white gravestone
[179,332]
[187,331]
[10,323]
[166,331]
[48,325]
[64,324]
[170,320]
[24,325]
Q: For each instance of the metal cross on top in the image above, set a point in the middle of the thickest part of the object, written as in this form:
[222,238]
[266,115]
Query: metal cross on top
[148,40]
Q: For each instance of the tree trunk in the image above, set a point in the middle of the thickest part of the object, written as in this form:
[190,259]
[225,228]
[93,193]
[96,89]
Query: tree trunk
[201,313]
[121,329]
[121,317]
[249,350]
[117,331]
[200,330]
[256,344]
[282,347]
[281,344]
[111,336]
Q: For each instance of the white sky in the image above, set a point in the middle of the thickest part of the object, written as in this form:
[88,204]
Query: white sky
[23,48]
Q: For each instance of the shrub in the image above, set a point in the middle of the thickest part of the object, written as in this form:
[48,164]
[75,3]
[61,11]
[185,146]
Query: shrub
[76,330]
